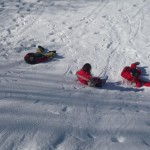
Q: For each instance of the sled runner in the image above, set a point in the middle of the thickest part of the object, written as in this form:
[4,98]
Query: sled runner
[104,79]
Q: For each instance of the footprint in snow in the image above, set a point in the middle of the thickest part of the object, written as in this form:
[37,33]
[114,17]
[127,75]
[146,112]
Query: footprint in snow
[59,140]
[63,22]
[28,9]
[37,101]
[90,136]
[147,123]
[70,28]
[64,109]
[109,44]
[2,4]
[51,33]
[17,5]
[104,16]
[120,139]
[146,140]
[53,40]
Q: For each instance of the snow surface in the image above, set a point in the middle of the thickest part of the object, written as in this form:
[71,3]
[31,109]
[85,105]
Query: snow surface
[43,107]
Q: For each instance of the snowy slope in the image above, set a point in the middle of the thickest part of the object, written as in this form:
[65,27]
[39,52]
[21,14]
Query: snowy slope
[42,107]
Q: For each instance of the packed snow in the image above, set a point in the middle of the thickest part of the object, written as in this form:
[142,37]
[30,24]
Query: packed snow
[42,106]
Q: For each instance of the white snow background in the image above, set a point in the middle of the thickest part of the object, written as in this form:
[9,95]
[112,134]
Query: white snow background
[42,106]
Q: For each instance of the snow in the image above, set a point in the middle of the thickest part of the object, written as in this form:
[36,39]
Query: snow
[42,106]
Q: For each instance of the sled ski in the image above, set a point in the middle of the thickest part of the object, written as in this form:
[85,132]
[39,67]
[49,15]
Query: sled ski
[104,79]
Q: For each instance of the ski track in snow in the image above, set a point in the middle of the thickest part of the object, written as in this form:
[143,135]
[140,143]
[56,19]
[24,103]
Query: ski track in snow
[41,106]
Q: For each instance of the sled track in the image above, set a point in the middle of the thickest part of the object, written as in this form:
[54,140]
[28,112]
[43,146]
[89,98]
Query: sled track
[81,25]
